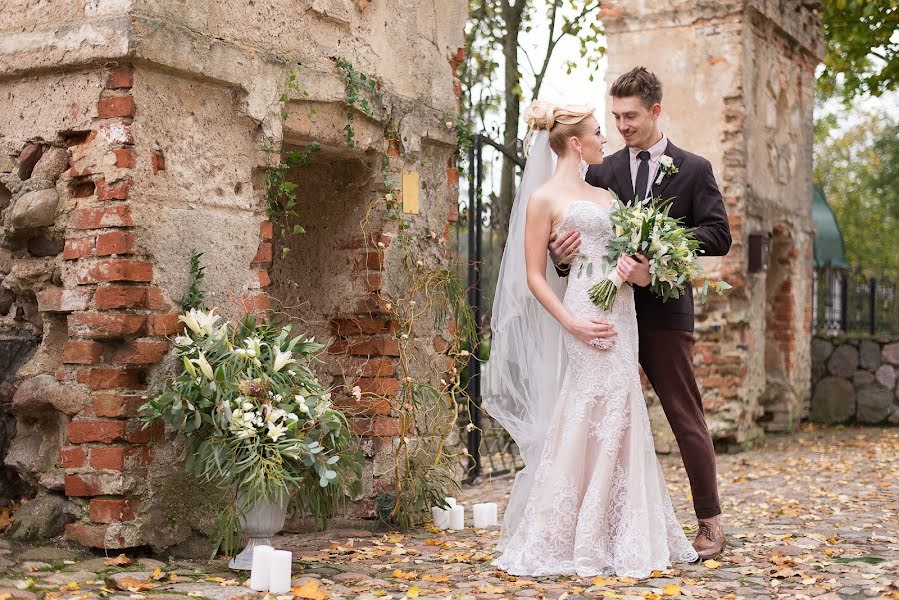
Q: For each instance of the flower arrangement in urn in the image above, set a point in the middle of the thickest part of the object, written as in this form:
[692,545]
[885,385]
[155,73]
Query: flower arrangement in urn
[262,425]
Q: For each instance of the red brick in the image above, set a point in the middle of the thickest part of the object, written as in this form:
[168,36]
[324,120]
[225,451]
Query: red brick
[82,352]
[380,386]
[108,458]
[120,296]
[78,248]
[94,484]
[363,326]
[453,214]
[264,254]
[266,230]
[157,162]
[105,432]
[72,457]
[156,299]
[373,259]
[116,269]
[115,242]
[377,427]
[440,344]
[124,158]
[145,351]
[111,378]
[120,78]
[119,106]
[452,175]
[164,325]
[98,218]
[373,305]
[113,510]
[138,434]
[108,404]
[259,303]
[373,282]
[368,347]
[103,325]
[115,191]
[55,299]
[367,405]
[89,536]
[263,279]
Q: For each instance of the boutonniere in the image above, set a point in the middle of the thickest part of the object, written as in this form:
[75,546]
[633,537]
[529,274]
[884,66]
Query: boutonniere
[666,167]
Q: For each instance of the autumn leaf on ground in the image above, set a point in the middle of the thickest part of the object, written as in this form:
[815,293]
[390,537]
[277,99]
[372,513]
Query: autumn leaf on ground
[309,591]
[489,588]
[157,574]
[119,561]
[394,539]
[672,589]
[400,574]
[435,578]
[599,581]
[133,584]
[712,564]
[413,592]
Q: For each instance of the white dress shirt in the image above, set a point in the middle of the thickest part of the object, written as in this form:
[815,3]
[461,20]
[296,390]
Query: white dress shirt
[655,153]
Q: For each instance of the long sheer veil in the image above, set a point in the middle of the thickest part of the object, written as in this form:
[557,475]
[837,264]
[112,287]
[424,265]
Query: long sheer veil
[527,358]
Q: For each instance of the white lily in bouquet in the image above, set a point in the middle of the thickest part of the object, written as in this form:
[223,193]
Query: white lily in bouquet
[646,228]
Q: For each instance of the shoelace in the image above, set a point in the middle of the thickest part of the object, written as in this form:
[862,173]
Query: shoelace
[706,530]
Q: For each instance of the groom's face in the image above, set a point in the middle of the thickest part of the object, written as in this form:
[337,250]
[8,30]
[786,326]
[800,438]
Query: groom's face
[636,122]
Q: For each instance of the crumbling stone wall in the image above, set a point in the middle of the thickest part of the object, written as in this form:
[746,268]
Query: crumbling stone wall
[739,83]
[136,136]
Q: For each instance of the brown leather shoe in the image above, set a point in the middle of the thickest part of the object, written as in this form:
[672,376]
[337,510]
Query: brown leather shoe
[710,541]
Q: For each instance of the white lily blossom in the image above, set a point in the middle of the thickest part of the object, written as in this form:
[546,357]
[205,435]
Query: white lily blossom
[282,359]
[205,367]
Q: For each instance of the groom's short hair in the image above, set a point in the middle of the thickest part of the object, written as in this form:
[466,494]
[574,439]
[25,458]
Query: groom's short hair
[640,82]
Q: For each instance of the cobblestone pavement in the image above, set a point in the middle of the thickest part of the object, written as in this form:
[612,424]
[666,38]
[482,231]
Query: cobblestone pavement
[814,515]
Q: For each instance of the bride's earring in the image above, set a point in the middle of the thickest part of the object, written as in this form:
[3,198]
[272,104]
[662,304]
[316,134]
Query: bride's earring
[582,165]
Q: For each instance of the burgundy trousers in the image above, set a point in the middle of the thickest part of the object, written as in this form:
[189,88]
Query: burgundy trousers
[666,356]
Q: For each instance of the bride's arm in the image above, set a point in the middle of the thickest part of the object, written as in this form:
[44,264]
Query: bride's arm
[538,228]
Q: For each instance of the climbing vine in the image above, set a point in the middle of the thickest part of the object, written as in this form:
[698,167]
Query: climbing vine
[356,84]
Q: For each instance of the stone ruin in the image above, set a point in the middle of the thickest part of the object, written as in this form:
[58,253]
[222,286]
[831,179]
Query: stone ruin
[132,134]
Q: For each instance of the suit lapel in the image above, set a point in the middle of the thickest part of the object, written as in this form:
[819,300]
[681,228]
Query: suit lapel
[622,169]
[678,157]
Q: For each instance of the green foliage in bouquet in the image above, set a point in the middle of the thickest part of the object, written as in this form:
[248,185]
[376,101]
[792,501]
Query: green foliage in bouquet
[261,423]
[646,228]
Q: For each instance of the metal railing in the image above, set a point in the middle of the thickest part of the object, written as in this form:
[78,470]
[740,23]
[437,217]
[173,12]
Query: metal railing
[851,301]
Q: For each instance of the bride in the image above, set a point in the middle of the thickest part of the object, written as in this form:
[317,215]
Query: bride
[563,380]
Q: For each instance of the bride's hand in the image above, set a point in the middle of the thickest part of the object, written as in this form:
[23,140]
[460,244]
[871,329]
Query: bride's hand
[587,330]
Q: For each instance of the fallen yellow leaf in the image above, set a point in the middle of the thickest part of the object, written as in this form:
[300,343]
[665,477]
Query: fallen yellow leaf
[309,591]
[436,578]
[599,581]
[400,574]
[627,580]
[672,589]
[158,574]
[413,592]
[394,539]
[712,564]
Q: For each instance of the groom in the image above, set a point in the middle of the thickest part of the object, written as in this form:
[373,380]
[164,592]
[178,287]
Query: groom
[652,165]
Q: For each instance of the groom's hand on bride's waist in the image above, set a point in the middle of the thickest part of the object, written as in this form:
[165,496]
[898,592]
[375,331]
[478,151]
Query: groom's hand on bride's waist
[634,271]
[563,248]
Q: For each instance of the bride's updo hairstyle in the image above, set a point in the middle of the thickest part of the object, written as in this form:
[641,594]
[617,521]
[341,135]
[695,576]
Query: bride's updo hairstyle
[562,122]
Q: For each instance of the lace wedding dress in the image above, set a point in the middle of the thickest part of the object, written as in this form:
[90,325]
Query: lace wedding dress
[598,504]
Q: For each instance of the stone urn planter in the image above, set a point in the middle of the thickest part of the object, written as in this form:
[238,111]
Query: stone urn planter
[260,523]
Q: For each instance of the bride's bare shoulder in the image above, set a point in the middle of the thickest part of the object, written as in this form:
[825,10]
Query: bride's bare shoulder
[543,197]
[602,195]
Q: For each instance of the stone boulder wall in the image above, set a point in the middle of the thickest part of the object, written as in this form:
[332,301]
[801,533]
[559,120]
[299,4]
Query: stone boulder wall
[854,380]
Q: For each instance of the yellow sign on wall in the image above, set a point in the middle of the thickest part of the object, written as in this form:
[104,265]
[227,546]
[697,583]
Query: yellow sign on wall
[410,192]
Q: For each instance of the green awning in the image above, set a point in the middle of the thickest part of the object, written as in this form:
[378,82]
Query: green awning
[828,239]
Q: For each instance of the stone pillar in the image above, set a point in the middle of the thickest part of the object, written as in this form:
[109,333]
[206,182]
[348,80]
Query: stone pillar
[138,136]
[738,81]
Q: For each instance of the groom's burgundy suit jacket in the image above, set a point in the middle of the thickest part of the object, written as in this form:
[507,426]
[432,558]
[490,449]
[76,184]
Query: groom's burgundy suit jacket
[696,201]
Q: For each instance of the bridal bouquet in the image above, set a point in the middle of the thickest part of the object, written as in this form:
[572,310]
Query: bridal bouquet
[671,249]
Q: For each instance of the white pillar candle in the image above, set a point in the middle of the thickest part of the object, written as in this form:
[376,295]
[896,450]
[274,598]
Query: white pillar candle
[481,516]
[440,516]
[491,511]
[279,580]
[450,501]
[457,517]
[262,559]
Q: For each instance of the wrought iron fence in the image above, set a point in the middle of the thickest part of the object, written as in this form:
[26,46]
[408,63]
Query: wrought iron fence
[491,451]
[853,301]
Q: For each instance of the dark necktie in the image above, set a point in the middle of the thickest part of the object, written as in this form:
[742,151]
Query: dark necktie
[642,175]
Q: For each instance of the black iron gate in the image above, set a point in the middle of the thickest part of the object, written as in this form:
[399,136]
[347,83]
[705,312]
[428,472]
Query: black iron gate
[491,451]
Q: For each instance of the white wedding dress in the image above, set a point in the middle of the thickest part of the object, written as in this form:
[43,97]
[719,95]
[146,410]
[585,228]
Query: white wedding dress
[598,504]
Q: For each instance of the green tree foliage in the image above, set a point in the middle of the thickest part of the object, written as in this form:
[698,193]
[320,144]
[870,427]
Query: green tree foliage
[862,48]
[858,169]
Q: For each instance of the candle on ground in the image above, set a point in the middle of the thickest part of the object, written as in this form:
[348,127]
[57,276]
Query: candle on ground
[440,516]
[259,574]
[279,580]
[457,517]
